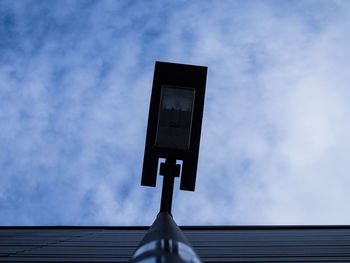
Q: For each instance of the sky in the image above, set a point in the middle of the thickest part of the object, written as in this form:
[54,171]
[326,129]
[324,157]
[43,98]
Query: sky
[75,87]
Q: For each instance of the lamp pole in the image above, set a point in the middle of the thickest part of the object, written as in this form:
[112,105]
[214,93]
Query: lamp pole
[169,170]
[164,241]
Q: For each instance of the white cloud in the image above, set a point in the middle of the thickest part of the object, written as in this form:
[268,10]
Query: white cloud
[75,92]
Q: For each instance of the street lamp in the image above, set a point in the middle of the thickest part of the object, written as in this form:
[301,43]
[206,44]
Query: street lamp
[173,133]
[175,121]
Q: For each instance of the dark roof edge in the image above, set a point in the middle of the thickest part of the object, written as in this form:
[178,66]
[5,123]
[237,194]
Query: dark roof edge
[263,227]
[196,227]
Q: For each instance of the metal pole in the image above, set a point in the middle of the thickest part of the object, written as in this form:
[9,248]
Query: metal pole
[169,170]
[164,242]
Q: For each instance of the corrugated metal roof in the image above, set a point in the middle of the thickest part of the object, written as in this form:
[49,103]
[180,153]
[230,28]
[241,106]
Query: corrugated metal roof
[213,244]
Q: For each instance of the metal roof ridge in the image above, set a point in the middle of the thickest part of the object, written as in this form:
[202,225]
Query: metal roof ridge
[186,227]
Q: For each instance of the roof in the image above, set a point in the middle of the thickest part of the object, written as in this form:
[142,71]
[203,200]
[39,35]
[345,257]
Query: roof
[212,243]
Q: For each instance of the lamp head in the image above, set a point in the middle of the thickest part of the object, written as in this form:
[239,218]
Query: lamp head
[175,120]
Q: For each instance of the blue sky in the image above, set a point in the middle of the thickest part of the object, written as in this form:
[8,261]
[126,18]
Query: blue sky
[75,84]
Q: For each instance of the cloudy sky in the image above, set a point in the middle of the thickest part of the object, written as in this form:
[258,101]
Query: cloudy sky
[75,85]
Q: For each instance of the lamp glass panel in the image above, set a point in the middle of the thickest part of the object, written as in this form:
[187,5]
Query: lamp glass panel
[175,117]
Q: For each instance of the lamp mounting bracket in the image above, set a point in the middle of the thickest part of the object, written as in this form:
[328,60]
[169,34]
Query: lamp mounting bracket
[169,170]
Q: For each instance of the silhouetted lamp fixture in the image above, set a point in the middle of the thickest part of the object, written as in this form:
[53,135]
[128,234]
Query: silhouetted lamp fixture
[174,122]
